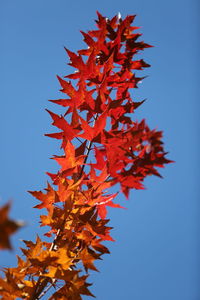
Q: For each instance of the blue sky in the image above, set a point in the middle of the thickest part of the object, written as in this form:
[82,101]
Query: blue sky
[156,253]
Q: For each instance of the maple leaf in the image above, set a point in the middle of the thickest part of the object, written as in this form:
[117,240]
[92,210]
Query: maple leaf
[9,290]
[88,256]
[91,132]
[68,131]
[76,60]
[73,289]
[47,199]
[7,227]
[96,244]
[106,201]
[67,87]
[69,162]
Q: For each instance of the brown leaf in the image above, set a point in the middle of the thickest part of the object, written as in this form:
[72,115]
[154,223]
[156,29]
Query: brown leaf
[7,227]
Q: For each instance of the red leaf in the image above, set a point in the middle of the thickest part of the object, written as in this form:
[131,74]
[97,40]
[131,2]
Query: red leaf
[91,132]
[61,123]
[67,87]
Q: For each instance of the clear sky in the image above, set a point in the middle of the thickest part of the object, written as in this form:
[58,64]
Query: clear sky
[156,253]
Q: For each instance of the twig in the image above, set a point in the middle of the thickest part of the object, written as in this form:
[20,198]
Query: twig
[89,146]
[47,289]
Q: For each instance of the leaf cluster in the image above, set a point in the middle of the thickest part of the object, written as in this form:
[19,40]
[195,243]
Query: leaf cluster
[96,125]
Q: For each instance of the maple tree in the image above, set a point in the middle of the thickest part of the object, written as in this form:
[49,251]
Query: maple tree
[96,124]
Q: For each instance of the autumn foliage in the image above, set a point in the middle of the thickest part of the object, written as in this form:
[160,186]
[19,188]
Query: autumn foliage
[102,147]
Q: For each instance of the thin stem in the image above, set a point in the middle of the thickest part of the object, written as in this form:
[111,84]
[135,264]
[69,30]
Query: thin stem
[89,146]
[47,289]
[54,241]
[79,140]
